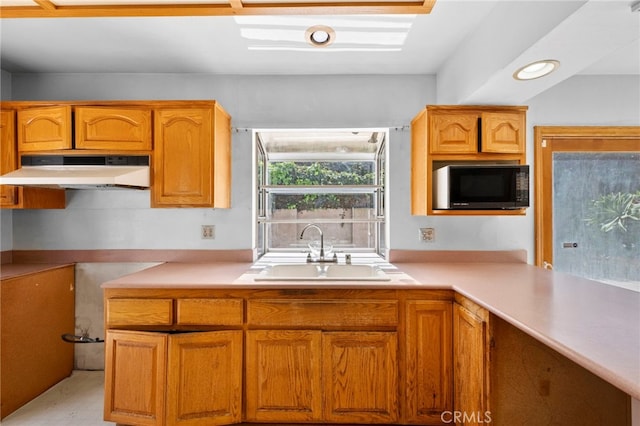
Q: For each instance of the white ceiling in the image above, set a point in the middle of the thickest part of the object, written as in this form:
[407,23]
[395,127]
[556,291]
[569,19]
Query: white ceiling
[472,46]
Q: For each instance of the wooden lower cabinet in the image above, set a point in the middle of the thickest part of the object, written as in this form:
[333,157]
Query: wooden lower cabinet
[315,376]
[360,372]
[471,343]
[428,379]
[284,375]
[35,310]
[155,378]
[224,356]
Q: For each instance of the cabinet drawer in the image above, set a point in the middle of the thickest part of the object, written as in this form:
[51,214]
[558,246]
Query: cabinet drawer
[139,312]
[209,311]
[318,313]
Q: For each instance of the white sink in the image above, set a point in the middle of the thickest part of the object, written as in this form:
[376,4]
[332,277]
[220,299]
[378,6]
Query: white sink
[353,271]
[321,272]
[293,271]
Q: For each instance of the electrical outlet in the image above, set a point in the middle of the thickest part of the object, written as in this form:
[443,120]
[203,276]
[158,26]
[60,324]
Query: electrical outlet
[427,235]
[208,232]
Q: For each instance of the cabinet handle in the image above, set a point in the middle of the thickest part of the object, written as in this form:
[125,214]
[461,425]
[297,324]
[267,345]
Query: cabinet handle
[479,124]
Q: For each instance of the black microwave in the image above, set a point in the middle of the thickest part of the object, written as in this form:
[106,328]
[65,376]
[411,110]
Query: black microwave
[481,186]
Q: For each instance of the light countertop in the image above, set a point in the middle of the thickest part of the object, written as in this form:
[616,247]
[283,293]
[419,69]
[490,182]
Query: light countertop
[594,324]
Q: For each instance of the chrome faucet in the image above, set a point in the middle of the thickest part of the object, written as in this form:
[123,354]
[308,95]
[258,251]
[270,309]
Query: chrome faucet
[321,257]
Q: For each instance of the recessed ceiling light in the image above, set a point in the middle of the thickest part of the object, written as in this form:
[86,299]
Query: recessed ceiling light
[362,33]
[320,35]
[536,69]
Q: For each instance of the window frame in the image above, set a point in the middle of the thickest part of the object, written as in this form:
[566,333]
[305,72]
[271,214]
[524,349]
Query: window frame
[262,190]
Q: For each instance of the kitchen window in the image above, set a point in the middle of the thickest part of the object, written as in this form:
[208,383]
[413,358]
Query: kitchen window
[332,178]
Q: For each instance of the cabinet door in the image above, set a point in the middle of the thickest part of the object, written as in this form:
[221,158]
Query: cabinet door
[283,375]
[112,128]
[428,387]
[135,377]
[183,158]
[360,371]
[471,379]
[454,133]
[204,380]
[46,128]
[503,132]
[9,158]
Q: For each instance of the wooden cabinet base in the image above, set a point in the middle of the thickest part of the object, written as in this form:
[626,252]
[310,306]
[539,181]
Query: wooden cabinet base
[36,309]
[31,197]
[188,379]
[533,384]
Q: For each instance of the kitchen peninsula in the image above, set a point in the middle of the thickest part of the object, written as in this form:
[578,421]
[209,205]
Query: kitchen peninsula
[481,336]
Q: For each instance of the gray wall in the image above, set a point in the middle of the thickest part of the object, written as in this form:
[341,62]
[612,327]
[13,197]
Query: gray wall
[5,85]
[122,219]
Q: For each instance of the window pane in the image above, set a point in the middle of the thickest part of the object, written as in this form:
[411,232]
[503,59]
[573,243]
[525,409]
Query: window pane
[596,219]
[320,206]
[338,236]
[321,173]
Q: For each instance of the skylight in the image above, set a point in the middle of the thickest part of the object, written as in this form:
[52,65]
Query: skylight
[351,33]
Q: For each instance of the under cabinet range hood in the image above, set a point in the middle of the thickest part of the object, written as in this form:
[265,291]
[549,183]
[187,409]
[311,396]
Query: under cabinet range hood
[81,171]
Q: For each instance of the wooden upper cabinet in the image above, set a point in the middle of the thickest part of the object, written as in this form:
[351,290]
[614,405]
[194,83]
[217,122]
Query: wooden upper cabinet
[192,157]
[419,165]
[8,156]
[18,197]
[471,130]
[183,161]
[113,128]
[442,135]
[44,128]
[221,157]
[453,133]
[503,132]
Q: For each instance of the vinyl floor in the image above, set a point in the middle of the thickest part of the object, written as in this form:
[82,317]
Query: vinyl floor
[75,401]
